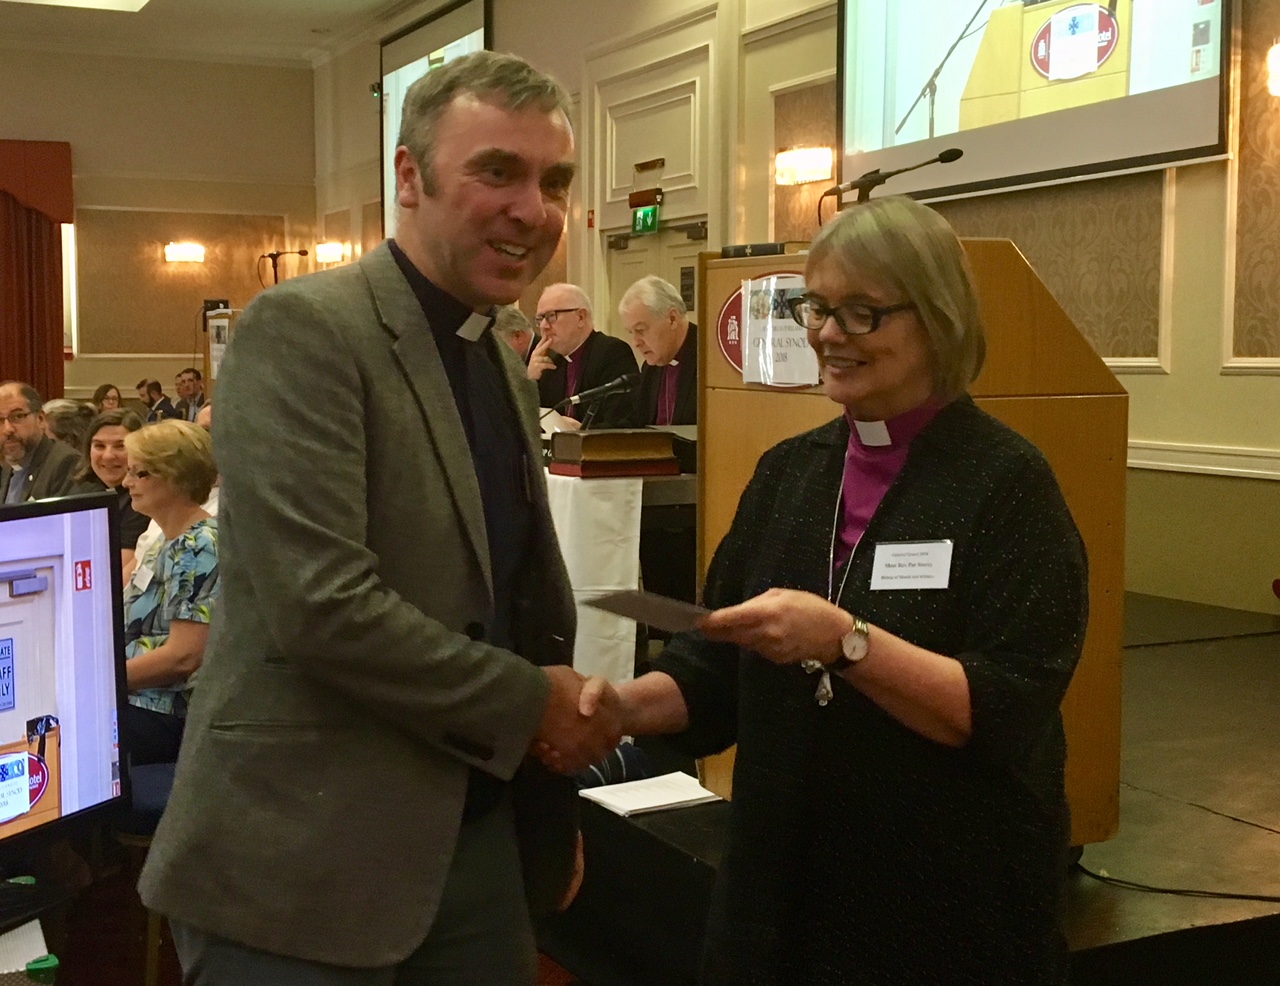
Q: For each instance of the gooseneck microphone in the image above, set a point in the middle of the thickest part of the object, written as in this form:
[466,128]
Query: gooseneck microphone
[872,179]
[626,382]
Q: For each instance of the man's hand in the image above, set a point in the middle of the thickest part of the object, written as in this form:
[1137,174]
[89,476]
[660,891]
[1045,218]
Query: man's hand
[567,740]
[540,360]
[785,626]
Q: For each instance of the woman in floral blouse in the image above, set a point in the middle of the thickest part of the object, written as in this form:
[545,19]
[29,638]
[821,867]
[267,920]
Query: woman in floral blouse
[169,599]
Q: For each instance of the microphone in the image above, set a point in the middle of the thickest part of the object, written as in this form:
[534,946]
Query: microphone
[871,179]
[277,254]
[624,384]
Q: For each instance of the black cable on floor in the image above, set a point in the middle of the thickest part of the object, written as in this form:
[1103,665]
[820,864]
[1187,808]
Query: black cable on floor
[1172,891]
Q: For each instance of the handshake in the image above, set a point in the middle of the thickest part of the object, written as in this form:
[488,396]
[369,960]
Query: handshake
[582,723]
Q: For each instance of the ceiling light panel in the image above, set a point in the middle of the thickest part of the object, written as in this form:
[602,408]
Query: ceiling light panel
[129,6]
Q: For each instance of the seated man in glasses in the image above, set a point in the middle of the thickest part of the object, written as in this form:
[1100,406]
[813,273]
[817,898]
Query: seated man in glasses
[572,357]
[33,466]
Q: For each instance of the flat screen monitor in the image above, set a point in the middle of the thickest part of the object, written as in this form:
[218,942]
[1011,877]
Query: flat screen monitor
[62,679]
[1032,91]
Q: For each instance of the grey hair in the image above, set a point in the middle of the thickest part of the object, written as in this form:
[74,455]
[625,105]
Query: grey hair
[655,294]
[912,249]
[502,80]
[579,296]
[510,320]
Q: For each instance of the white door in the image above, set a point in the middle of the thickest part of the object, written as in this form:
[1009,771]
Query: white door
[669,253]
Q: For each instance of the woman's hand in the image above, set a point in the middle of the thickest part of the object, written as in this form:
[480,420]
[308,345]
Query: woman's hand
[785,626]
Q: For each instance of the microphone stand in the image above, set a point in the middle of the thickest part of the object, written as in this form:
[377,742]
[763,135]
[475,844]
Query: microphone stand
[590,416]
[275,255]
[930,89]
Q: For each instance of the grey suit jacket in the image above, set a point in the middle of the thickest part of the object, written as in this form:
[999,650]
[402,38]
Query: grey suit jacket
[52,467]
[347,688]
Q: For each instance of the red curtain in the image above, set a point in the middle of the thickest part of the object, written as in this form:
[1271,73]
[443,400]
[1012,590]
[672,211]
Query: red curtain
[30,297]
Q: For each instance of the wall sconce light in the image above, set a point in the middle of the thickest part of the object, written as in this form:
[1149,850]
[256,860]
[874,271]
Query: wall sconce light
[1273,69]
[332,252]
[184,253]
[803,164]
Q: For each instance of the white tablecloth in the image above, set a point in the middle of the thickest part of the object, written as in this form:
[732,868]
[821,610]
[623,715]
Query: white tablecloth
[598,525]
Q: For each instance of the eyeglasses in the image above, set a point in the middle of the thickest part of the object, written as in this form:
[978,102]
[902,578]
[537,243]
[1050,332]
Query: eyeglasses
[854,319]
[133,473]
[15,418]
[550,316]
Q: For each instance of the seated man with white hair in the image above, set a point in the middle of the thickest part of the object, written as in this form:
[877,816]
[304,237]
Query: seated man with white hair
[655,316]
[572,357]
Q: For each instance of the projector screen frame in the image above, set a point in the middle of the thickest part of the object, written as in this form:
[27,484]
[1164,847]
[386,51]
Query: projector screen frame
[443,11]
[1227,87]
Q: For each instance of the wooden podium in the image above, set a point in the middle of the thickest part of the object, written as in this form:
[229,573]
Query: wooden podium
[1042,379]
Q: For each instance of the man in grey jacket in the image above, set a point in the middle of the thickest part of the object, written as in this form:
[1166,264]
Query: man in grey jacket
[32,465]
[355,801]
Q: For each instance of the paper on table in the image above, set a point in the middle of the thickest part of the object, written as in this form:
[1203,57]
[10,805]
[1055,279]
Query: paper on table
[674,790]
[23,944]
[555,421]
[672,615]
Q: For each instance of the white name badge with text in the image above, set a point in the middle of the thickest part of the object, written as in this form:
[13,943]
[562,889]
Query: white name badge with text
[912,565]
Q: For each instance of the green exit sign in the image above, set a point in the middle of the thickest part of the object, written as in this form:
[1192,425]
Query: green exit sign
[644,220]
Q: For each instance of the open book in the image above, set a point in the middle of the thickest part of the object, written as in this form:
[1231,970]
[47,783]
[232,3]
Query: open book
[675,790]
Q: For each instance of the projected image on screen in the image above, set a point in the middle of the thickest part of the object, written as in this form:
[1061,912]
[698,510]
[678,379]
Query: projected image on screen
[59,686]
[1095,77]
[405,60]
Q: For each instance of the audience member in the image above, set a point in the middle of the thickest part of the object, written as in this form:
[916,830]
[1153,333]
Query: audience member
[106,398]
[169,600]
[396,623]
[190,386]
[105,471]
[514,329]
[35,466]
[573,357]
[159,407]
[153,533]
[68,421]
[655,316]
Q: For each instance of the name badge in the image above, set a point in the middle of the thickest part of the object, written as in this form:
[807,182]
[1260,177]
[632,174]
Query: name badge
[912,565]
[142,576]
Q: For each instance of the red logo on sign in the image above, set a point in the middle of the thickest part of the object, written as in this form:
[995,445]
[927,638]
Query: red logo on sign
[1108,37]
[84,575]
[37,777]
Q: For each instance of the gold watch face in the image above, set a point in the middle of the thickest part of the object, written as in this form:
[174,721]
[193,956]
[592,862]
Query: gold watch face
[854,644]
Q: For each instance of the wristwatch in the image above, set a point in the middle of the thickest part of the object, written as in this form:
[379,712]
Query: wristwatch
[853,646]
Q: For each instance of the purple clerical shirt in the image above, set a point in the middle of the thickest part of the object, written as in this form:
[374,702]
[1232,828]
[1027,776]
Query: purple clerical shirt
[876,454]
[573,376]
[667,391]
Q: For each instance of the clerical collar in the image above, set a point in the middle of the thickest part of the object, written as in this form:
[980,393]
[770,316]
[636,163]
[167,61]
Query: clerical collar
[897,431]
[448,314]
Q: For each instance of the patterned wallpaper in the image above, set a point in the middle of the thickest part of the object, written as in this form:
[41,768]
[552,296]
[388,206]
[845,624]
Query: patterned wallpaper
[1095,244]
[1257,314]
[131,301]
[802,118]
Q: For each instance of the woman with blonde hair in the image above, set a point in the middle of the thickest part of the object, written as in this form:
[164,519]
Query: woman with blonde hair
[898,608]
[170,597]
